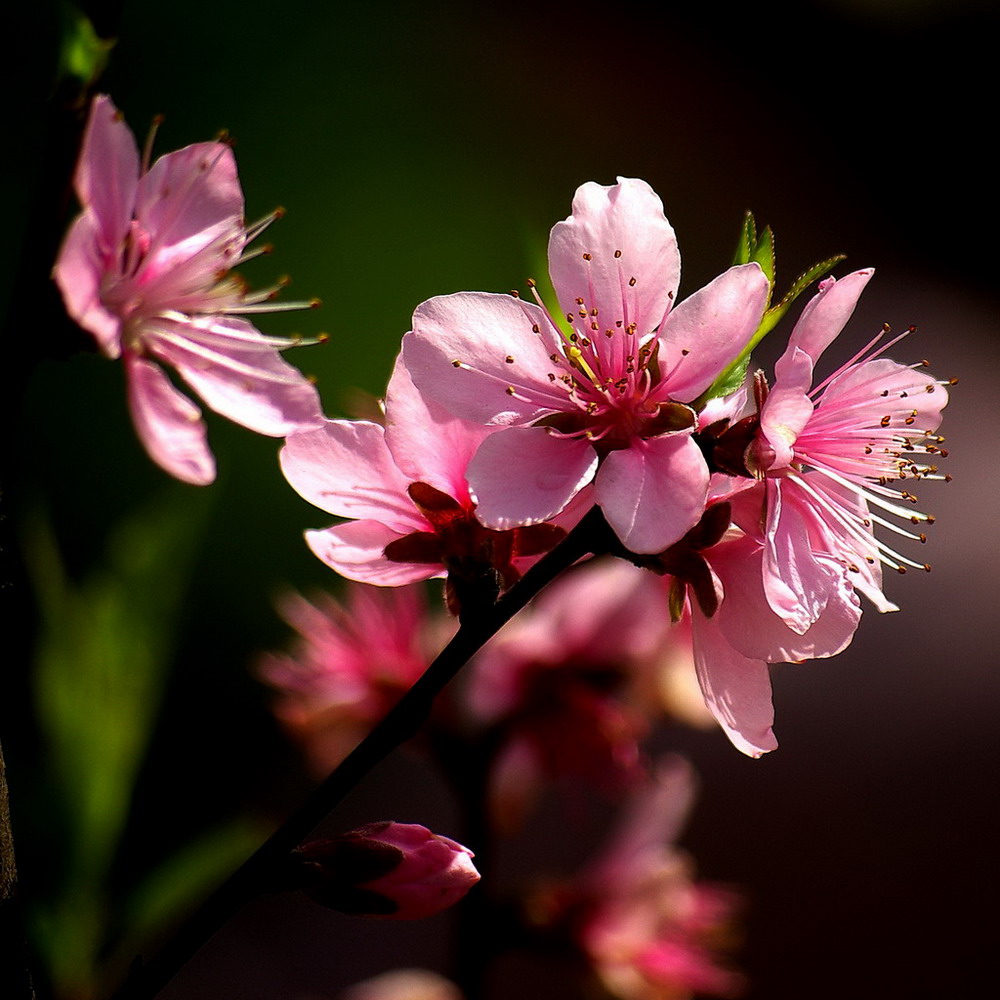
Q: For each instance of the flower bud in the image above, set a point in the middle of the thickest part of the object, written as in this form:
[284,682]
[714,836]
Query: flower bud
[397,870]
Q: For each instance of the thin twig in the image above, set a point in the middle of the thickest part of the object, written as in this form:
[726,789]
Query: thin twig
[263,871]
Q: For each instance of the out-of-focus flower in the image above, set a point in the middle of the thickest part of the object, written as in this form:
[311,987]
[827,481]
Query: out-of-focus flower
[832,453]
[351,663]
[604,402]
[650,930]
[404,984]
[146,270]
[401,871]
[406,491]
[566,685]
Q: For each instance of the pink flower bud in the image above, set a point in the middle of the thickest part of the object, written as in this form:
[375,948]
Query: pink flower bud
[398,870]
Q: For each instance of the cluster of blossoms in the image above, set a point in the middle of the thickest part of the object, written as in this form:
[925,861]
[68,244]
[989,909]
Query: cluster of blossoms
[505,421]
[742,512]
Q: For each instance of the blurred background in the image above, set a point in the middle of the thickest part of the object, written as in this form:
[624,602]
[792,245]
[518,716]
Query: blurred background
[424,149]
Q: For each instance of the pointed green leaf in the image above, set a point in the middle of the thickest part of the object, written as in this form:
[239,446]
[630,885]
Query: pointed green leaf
[801,283]
[763,254]
[747,240]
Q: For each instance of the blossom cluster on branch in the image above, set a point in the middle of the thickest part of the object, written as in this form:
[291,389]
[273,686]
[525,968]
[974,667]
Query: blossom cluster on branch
[737,518]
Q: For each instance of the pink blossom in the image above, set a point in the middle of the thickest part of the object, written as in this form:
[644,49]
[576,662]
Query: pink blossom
[145,270]
[832,455]
[605,402]
[648,927]
[714,577]
[350,664]
[405,490]
[397,870]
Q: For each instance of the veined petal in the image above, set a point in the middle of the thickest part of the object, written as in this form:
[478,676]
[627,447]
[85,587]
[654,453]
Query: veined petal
[345,468]
[78,273]
[168,424]
[244,379]
[107,173]
[654,491]
[618,253]
[706,331]
[827,313]
[356,550]
[737,689]
[187,201]
[427,443]
[749,624]
[457,356]
[523,475]
[797,582]
[787,409]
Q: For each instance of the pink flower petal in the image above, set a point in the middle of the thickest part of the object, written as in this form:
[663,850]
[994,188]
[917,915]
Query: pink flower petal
[78,273]
[238,373]
[708,330]
[427,443]
[168,424]
[737,689]
[480,331]
[616,234]
[524,475]
[356,550]
[827,313]
[107,173]
[345,468]
[190,200]
[787,409]
[749,624]
[653,492]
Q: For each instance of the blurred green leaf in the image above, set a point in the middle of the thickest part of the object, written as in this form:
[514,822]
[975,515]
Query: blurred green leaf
[83,54]
[103,652]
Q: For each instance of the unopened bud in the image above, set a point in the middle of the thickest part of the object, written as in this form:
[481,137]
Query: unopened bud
[397,870]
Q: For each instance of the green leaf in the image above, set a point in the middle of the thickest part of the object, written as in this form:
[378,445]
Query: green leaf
[763,253]
[747,240]
[83,54]
[102,655]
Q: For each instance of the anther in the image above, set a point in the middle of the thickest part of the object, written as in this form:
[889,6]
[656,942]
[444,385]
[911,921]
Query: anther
[684,352]
[631,282]
[885,420]
[586,256]
[534,328]
[509,359]
[510,390]
[927,567]
[579,302]
[456,363]
[618,254]
[515,293]
[532,283]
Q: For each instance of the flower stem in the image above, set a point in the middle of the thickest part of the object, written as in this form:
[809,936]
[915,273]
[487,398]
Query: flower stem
[262,872]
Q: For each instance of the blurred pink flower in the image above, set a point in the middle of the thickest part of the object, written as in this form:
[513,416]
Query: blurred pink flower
[350,664]
[401,871]
[832,452]
[145,270]
[604,402]
[404,487]
[404,984]
[651,931]
[572,685]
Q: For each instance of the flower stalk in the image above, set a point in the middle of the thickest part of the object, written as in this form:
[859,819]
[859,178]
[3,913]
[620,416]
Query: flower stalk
[262,871]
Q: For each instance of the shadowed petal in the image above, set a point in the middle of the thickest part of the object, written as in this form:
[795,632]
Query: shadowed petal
[653,492]
[524,475]
[168,423]
[78,272]
[345,468]
[356,550]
